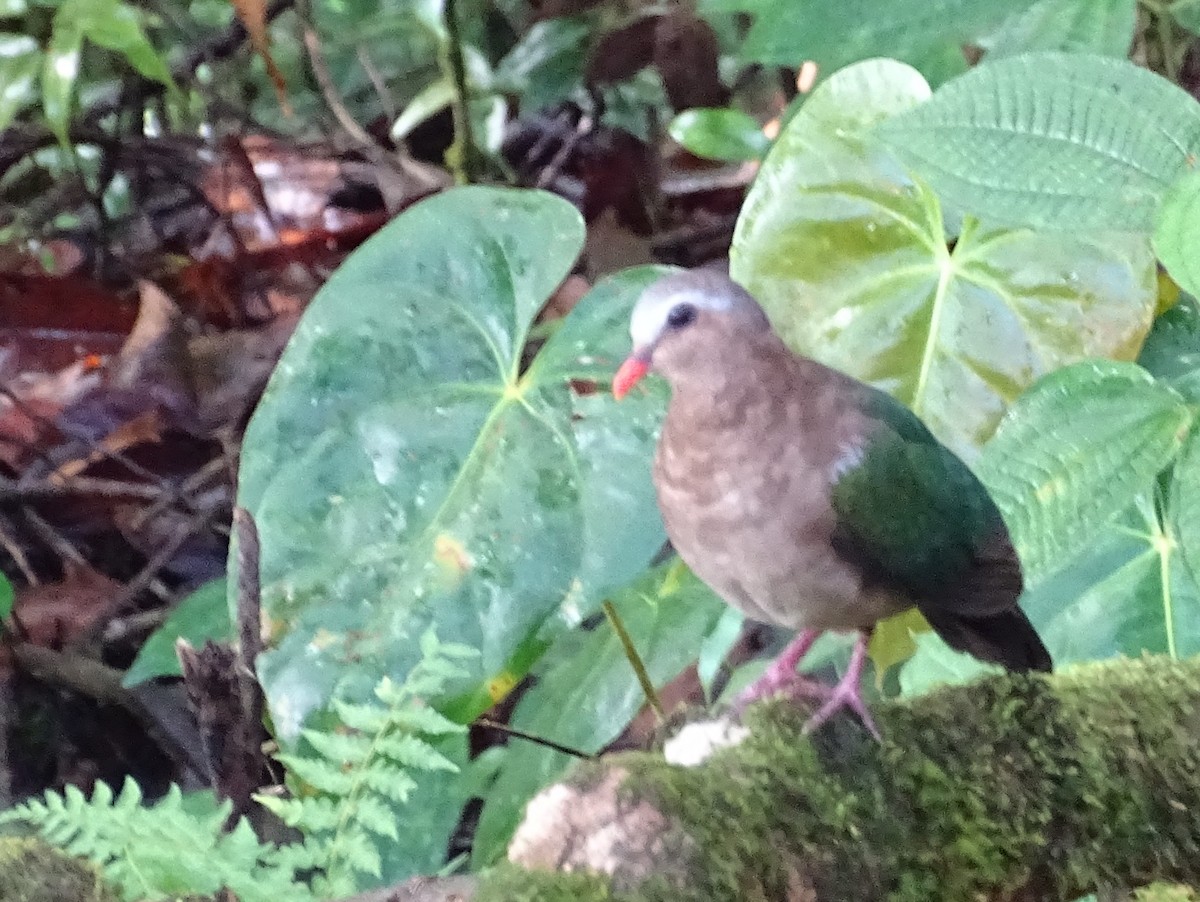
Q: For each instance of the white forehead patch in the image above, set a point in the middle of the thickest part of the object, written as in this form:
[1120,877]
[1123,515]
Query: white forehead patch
[650,312]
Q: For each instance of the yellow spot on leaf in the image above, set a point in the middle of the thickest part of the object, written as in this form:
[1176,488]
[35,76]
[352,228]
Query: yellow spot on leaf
[323,639]
[269,628]
[500,685]
[1047,490]
[452,559]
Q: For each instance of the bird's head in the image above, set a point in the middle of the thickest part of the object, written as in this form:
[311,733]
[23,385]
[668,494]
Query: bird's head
[684,323]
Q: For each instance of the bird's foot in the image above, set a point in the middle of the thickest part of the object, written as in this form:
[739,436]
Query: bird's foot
[843,695]
[775,683]
[847,694]
[781,678]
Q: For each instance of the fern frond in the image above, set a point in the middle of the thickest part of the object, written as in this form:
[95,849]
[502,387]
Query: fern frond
[162,850]
[349,781]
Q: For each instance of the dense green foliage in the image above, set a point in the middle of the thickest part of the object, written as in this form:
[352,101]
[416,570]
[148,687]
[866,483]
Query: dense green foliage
[342,785]
[982,243]
[176,846]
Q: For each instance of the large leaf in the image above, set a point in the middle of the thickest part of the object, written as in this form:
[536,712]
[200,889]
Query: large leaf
[587,692]
[1132,587]
[852,258]
[1054,140]
[1079,26]
[402,470]
[834,34]
[1131,591]
[1075,452]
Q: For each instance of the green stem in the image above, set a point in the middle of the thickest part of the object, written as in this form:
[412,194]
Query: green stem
[635,660]
[1166,42]
[463,157]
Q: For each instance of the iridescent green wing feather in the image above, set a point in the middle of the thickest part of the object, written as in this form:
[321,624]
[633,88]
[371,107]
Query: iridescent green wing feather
[908,509]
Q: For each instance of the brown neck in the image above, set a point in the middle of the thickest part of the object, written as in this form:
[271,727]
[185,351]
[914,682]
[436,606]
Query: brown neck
[714,393]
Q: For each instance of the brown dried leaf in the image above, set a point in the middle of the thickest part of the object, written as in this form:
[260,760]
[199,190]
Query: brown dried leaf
[53,614]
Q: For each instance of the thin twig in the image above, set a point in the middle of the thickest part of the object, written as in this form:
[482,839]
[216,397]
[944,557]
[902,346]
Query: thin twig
[116,606]
[386,100]
[190,486]
[320,70]
[93,446]
[635,660]
[51,536]
[68,552]
[532,737]
[10,544]
[554,167]
[424,176]
[80,485]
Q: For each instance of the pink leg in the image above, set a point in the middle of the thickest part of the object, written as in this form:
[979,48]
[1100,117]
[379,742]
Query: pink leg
[781,676]
[848,692]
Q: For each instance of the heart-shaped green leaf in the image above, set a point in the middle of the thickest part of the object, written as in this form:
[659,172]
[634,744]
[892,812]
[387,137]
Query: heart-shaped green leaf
[858,267]
[403,470]
[1054,140]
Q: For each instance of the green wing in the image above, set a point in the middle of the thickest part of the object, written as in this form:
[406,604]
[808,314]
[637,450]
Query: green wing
[912,512]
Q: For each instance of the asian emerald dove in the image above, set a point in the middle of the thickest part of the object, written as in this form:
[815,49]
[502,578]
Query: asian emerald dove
[812,501]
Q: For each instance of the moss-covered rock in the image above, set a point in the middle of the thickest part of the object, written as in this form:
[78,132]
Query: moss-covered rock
[1017,787]
[32,871]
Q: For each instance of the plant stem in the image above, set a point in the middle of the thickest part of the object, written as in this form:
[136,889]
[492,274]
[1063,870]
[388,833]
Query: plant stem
[635,660]
[1166,42]
[463,157]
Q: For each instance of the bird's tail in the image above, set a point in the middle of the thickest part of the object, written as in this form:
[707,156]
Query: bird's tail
[1006,638]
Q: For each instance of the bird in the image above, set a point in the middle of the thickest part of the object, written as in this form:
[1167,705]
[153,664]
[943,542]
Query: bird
[810,500]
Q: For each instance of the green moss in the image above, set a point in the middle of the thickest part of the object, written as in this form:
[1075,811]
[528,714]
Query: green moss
[1087,777]
[1165,892]
[507,883]
[32,871]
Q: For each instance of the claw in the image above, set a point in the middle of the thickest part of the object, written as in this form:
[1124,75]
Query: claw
[781,678]
[848,694]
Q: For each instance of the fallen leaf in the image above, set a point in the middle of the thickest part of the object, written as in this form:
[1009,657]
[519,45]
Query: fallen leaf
[53,614]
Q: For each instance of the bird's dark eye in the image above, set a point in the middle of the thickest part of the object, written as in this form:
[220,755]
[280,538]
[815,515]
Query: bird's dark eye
[680,315]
